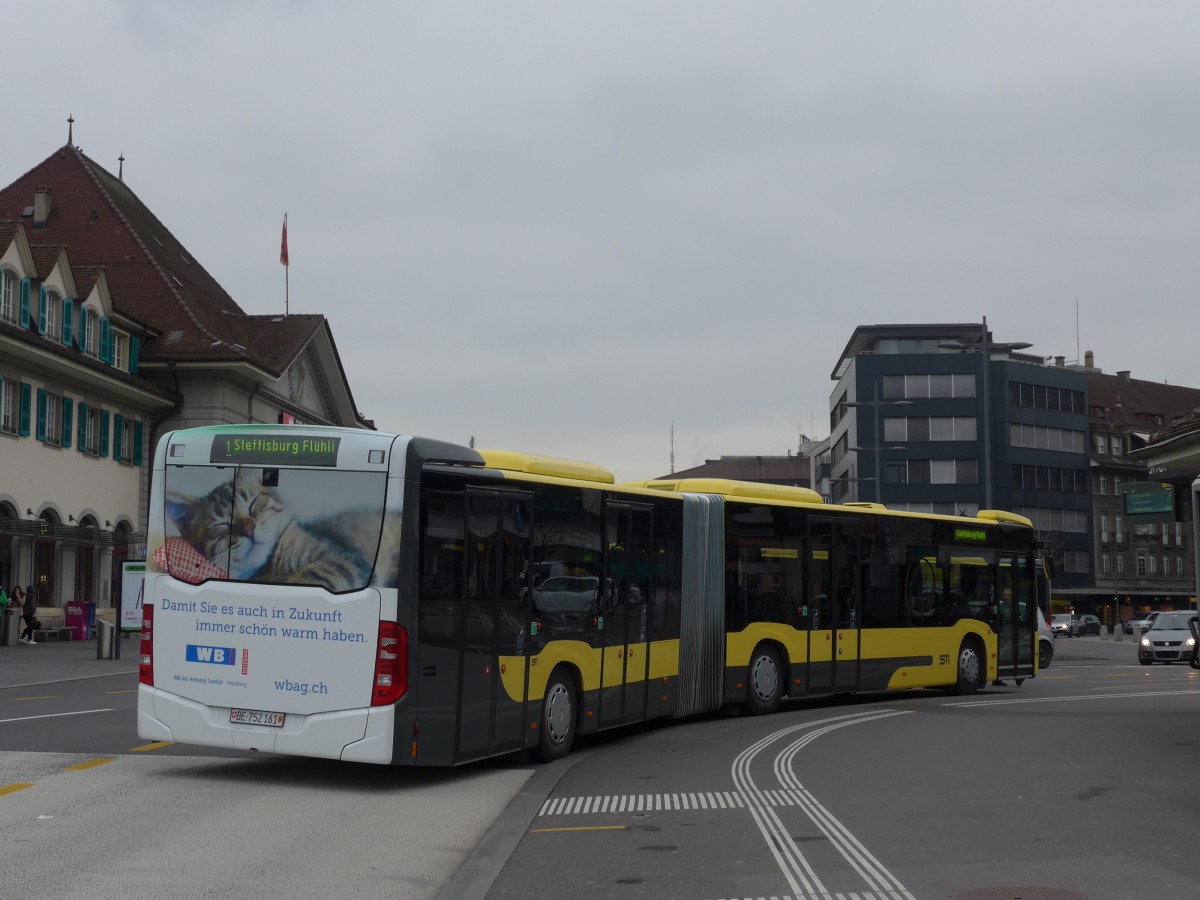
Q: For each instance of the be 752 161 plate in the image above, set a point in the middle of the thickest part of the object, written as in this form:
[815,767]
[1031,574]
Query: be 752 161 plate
[256,717]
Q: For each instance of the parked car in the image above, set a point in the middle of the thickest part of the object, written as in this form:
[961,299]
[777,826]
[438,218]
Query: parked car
[1045,641]
[1169,639]
[1089,625]
[1141,621]
[1064,623]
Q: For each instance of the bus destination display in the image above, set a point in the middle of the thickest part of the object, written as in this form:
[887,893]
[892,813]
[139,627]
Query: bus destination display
[260,450]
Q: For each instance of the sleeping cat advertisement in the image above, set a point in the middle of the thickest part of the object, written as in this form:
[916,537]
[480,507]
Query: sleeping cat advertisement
[279,526]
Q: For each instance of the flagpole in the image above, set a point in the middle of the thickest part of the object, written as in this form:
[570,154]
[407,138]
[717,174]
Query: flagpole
[283,258]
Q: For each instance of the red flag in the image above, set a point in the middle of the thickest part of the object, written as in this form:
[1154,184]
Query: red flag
[283,255]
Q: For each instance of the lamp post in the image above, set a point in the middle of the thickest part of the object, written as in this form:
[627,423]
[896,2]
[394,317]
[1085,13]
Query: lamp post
[846,479]
[986,347]
[876,449]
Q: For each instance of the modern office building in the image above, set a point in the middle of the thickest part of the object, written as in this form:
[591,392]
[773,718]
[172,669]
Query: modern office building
[944,418]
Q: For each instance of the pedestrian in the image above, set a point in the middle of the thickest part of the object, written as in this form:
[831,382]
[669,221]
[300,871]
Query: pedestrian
[29,605]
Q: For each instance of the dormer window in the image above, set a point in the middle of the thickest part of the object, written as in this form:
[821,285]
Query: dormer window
[53,308]
[120,350]
[8,312]
[90,341]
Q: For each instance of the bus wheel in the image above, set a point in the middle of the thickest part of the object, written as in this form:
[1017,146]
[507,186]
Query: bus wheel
[764,681]
[970,668]
[557,731]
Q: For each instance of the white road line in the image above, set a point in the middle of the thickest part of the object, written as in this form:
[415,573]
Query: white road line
[1129,696]
[82,712]
[840,837]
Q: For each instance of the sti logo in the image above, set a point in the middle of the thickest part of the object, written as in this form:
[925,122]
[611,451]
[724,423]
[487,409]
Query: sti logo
[217,656]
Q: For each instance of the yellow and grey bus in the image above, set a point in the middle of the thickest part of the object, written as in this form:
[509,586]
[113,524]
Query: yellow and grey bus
[393,599]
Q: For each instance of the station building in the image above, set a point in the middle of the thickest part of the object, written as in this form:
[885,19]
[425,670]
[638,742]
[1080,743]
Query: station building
[111,334]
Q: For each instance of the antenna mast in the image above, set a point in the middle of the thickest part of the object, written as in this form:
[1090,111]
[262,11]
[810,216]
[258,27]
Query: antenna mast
[672,446]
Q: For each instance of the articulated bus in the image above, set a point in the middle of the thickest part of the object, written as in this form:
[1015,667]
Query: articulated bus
[383,598]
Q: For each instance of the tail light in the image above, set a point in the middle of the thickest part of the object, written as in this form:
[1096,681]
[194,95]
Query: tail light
[391,665]
[146,651]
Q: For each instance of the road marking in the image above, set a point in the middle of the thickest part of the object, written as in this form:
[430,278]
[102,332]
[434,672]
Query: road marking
[13,788]
[134,691]
[90,764]
[579,828]
[82,712]
[796,868]
[46,697]
[630,803]
[157,745]
[1128,696]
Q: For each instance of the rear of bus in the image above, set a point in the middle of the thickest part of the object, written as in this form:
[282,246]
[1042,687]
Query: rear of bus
[270,617]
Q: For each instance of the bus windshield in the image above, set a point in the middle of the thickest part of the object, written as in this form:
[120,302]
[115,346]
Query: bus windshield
[272,525]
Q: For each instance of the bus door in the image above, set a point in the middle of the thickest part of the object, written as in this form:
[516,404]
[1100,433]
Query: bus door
[494,670]
[625,598]
[834,614]
[1016,611]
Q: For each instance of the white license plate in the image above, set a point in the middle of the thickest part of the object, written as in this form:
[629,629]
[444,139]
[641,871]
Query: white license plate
[256,717]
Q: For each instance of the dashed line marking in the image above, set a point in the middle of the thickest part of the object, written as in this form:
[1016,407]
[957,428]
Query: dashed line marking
[157,745]
[90,764]
[13,788]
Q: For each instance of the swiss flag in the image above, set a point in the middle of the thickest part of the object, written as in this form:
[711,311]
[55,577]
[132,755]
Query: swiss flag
[283,255]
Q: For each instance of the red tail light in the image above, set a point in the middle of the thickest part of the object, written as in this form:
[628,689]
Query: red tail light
[146,652]
[391,665]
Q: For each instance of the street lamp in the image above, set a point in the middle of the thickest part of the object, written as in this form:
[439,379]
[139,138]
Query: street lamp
[876,449]
[848,480]
[986,347]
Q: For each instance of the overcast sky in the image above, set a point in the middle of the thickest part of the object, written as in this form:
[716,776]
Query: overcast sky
[562,227]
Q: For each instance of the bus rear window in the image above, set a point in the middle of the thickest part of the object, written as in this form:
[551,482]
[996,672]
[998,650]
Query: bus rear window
[273,525]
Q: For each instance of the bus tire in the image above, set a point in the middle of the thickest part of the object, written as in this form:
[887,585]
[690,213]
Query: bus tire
[971,668]
[556,730]
[764,681]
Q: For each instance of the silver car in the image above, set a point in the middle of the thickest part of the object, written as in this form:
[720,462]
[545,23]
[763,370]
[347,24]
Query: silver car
[1141,622]
[1169,639]
[1064,623]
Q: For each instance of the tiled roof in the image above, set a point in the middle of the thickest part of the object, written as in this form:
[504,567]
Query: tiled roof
[1141,405]
[152,277]
[789,470]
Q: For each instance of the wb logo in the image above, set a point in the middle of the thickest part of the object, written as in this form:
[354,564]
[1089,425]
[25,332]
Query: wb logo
[217,656]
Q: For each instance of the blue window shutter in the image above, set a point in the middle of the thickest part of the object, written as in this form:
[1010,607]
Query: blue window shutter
[105,340]
[133,354]
[41,413]
[68,309]
[23,425]
[104,432]
[43,302]
[79,329]
[119,437]
[68,418]
[24,302]
[137,442]
[81,444]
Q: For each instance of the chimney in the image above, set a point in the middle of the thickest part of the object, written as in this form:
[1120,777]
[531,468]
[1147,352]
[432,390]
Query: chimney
[41,207]
[1124,376]
[1060,361]
[1089,360]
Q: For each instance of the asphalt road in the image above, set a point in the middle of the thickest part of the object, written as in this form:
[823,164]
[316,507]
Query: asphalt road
[1079,783]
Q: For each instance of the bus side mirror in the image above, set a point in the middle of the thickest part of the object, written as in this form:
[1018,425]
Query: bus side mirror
[1048,567]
